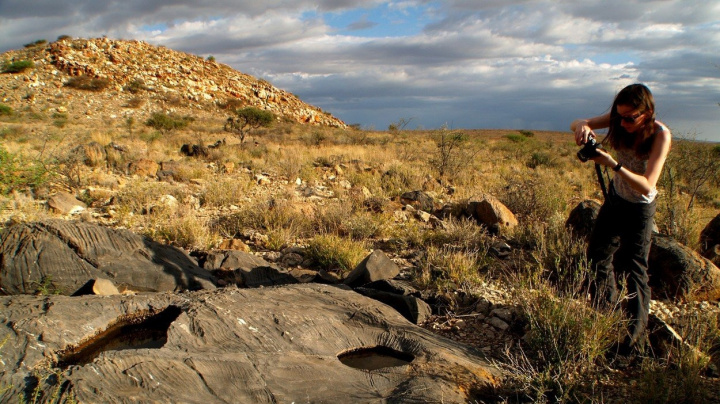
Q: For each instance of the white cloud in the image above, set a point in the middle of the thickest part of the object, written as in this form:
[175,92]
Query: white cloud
[479,64]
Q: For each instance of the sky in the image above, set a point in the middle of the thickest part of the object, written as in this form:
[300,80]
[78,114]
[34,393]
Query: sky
[513,64]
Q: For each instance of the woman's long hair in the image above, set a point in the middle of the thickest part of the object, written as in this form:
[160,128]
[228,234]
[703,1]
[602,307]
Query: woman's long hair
[639,97]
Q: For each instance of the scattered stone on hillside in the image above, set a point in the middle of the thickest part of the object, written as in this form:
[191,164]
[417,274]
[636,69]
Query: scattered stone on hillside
[375,266]
[677,272]
[134,68]
[710,241]
[421,215]
[66,204]
[501,249]
[262,345]
[492,213]
[582,218]
[66,255]
[418,200]
[143,168]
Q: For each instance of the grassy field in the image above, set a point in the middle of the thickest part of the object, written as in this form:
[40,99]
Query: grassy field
[335,192]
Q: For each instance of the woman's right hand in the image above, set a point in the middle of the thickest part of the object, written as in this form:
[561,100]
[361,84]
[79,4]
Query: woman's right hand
[583,133]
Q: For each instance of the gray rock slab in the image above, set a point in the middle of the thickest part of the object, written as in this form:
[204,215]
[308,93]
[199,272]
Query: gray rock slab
[267,345]
[65,255]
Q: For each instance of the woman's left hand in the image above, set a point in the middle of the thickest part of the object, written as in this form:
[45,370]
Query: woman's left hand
[604,159]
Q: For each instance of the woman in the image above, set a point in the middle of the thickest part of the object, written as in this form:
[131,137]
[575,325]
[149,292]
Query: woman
[620,242]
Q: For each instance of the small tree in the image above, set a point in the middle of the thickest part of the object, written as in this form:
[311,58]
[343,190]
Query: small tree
[246,119]
[452,152]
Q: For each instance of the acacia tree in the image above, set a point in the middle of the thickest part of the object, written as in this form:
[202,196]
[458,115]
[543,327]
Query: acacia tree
[246,119]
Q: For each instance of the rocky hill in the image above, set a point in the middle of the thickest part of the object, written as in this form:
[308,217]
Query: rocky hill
[134,78]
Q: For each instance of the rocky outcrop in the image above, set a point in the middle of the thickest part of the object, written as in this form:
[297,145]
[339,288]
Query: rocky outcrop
[63,256]
[374,267]
[710,241]
[676,272]
[135,69]
[582,218]
[298,343]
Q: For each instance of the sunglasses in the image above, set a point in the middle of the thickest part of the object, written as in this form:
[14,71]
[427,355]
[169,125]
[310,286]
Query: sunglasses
[630,119]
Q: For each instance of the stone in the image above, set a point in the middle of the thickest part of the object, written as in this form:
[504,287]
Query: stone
[677,272]
[66,204]
[492,213]
[246,270]
[100,287]
[233,244]
[194,150]
[497,323]
[67,254]
[375,266]
[298,343]
[412,308]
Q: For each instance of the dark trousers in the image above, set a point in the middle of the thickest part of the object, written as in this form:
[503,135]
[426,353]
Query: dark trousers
[619,247]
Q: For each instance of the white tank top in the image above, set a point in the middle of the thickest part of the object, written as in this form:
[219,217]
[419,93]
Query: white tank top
[638,165]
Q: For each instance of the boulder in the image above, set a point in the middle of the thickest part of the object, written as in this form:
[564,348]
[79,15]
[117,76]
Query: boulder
[582,218]
[492,213]
[299,343]
[65,204]
[710,241]
[194,150]
[375,266]
[678,272]
[399,295]
[67,254]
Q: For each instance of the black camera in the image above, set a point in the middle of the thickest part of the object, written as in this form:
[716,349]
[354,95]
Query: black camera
[589,150]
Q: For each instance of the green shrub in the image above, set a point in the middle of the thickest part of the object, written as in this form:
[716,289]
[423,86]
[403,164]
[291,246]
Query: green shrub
[36,43]
[452,152]
[16,173]
[566,343]
[526,133]
[167,122]
[516,137]
[135,86]
[336,253]
[88,83]
[539,159]
[17,66]
[5,110]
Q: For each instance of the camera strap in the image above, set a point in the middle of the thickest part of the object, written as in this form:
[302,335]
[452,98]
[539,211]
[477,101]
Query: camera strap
[601,180]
